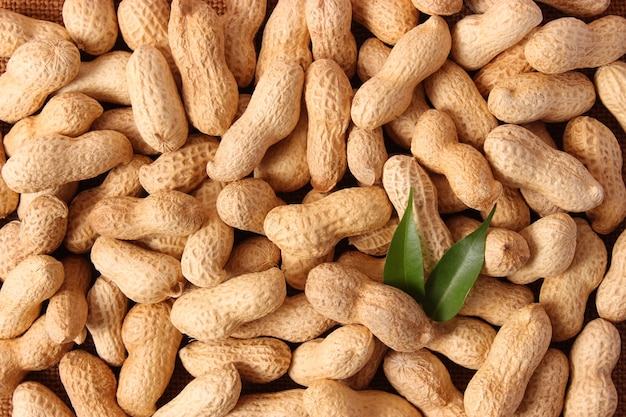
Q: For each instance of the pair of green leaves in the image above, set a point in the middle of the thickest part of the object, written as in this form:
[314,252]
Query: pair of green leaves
[442,295]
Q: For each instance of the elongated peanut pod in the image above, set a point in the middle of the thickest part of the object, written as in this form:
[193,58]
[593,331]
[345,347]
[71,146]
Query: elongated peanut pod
[17,29]
[93,26]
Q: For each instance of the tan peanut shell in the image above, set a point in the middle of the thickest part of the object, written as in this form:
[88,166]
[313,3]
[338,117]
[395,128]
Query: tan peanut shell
[172,245]
[122,120]
[90,384]
[402,173]
[494,300]
[242,21]
[388,21]
[366,154]
[327,96]
[313,229]
[68,114]
[497,388]
[422,378]
[365,376]
[119,181]
[593,356]
[103,78]
[542,168]
[512,213]
[182,170]
[532,96]
[593,143]
[418,54]
[372,266]
[143,275]
[31,351]
[339,355]
[285,403]
[610,83]
[375,242]
[329,24]
[207,250]
[131,218]
[214,393]
[258,360]
[271,115]
[36,69]
[243,204]
[196,38]
[34,399]
[476,40]
[92,26]
[569,43]
[107,307]
[18,28]
[611,295]
[552,244]
[152,343]
[326,397]
[348,296]
[215,313]
[9,199]
[464,340]
[66,313]
[33,281]
[372,55]
[157,107]
[64,192]
[452,90]
[565,296]
[438,147]
[583,8]
[253,254]
[28,170]
[442,8]
[545,392]
[447,201]
[285,37]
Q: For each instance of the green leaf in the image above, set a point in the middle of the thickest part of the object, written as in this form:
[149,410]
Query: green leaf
[455,274]
[404,266]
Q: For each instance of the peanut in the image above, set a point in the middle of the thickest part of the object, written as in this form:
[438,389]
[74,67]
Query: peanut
[593,143]
[339,355]
[327,95]
[107,307]
[609,81]
[363,377]
[565,296]
[143,276]
[569,43]
[253,254]
[376,242]
[542,168]
[313,229]
[442,8]
[476,41]
[29,169]
[533,96]
[371,266]
[436,145]
[423,380]
[183,169]
[512,213]
[366,154]
[18,29]
[103,79]
[122,120]
[610,294]
[215,313]
[418,54]
[244,144]
[33,399]
[157,107]
[172,245]
[152,343]
[329,398]
[9,199]
[451,89]
[36,69]
[258,360]
[130,218]
[283,403]
[329,25]
[593,356]
[27,286]
[388,21]
[90,384]
[64,192]
[93,26]
[214,394]
[69,114]
[196,37]
[348,296]
[497,388]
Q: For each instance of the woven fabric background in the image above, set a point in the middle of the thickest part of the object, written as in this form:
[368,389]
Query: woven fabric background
[51,10]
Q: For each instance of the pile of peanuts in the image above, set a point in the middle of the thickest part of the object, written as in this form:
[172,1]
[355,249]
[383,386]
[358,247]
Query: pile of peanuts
[211,188]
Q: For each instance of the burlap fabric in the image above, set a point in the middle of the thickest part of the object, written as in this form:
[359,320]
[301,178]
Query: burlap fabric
[51,10]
